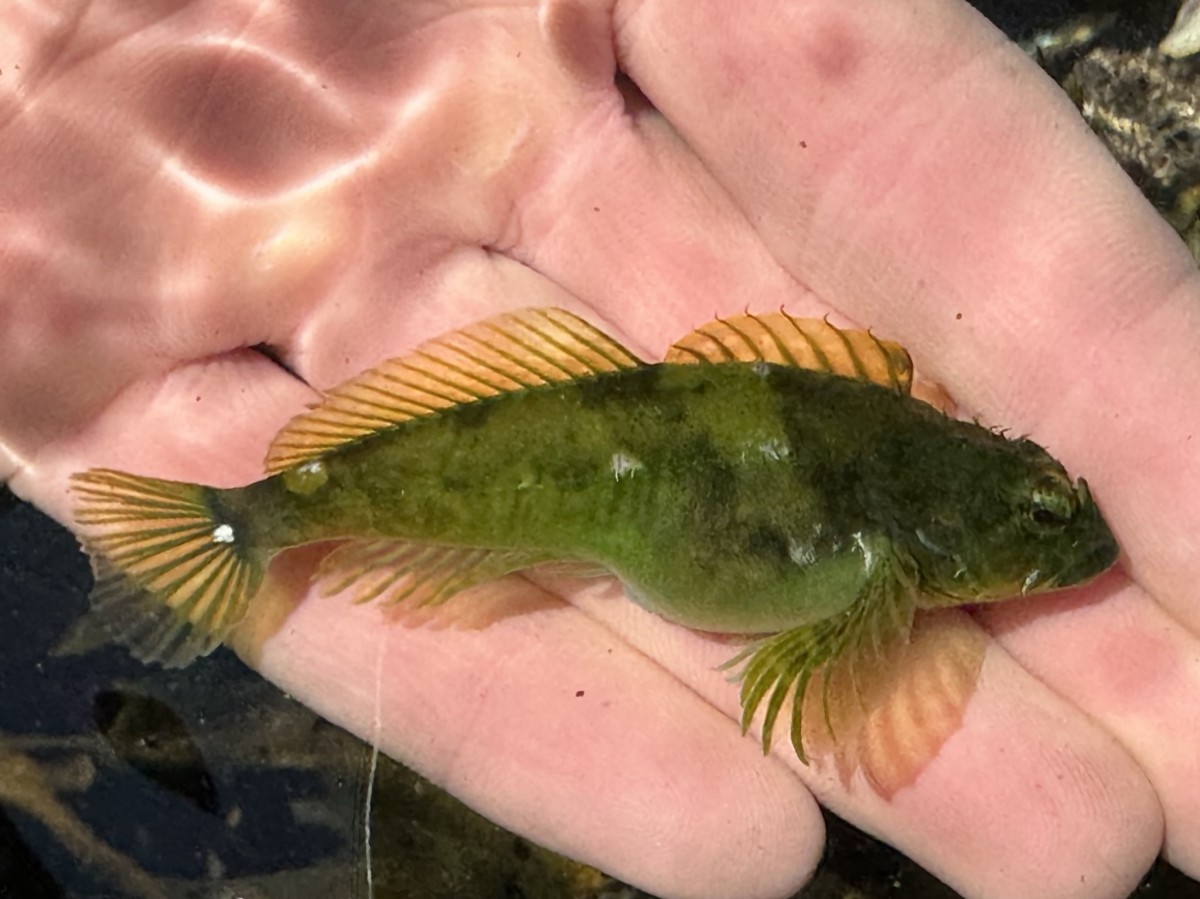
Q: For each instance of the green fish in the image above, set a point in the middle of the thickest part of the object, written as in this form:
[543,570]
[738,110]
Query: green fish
[773,478]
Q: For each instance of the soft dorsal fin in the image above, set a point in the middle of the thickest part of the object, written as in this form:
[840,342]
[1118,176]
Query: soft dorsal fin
[779,338]
[514,351]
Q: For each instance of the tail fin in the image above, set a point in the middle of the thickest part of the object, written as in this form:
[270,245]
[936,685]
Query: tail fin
[171,579]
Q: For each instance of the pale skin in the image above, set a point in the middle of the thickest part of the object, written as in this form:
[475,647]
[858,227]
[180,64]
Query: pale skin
[342,181]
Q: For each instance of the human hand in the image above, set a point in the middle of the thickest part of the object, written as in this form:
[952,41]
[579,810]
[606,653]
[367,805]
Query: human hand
[183,183]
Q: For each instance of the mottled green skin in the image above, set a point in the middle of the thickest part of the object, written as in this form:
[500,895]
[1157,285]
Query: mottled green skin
[742,498]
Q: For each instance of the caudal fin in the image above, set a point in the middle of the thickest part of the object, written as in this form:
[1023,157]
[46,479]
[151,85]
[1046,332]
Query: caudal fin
[171,579]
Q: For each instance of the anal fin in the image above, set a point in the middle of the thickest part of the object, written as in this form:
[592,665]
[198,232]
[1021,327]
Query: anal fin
[420,574]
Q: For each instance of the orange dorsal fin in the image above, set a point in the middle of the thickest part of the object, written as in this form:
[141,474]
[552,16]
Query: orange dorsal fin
[813,343]
[514,351]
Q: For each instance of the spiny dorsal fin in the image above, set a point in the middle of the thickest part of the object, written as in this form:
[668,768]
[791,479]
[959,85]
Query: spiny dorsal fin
[422,574]
[514,351]
[779,338]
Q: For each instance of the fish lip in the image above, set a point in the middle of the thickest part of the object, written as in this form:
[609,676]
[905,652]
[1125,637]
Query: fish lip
[1101,556]
[1107,553]
[1103,551]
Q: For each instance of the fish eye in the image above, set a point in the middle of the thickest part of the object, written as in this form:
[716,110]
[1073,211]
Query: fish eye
[1052,504]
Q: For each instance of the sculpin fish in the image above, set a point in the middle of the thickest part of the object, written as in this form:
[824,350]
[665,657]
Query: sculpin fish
[773,477]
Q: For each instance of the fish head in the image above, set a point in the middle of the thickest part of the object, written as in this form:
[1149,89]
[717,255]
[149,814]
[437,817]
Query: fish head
[1008,521]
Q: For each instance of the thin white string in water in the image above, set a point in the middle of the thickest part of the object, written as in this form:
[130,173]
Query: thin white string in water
[376,730]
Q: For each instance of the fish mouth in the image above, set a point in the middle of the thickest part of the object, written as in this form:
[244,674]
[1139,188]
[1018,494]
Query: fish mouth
[1094,563]
[1098,559]
[1095,551]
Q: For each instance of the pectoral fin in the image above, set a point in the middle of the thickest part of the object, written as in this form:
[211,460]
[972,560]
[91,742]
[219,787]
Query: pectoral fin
[848,649]
[918,705]
[878,697]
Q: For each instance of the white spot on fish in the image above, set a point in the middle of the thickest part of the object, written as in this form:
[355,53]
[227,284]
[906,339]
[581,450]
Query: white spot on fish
[865,548]
[774,449]
[625,466]
[306,479]
[801,553]
[222,533]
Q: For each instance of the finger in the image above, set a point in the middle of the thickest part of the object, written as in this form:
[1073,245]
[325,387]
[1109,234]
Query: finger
[1129,665]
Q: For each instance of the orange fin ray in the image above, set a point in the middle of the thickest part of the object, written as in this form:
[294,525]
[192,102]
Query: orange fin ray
[170,580]
[812,343]
[790,664]
[918,705]
[881,709]
[422,574]
[514,351]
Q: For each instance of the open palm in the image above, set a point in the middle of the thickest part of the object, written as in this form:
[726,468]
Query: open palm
[185,181]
